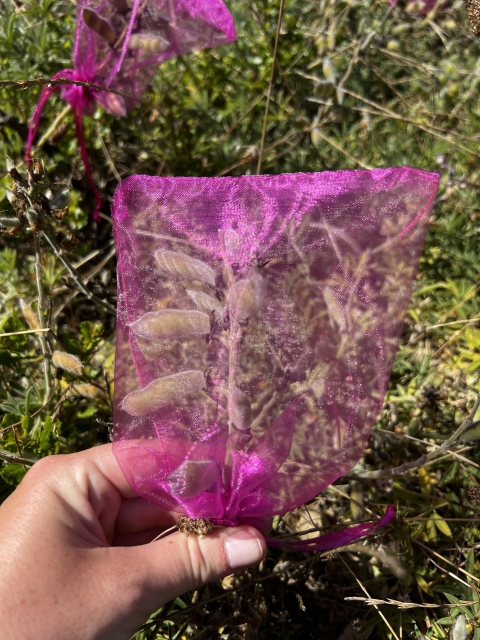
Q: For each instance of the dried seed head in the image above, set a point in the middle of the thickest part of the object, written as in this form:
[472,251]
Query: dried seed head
[474,493]
[29,314]
[68,362]
[150,44]
[163,392]
[239,409]
[206,303]
[172,323]
[101,27]
[473,12]
[9,164]
[36,170]
[246,296]
[86,391]
[193,477]
[182,266]
[200,526]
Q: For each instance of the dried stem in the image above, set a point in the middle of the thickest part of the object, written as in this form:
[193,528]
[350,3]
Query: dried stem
[41,320]
[13,459]
[269,92]
[53,128]
[234,337]
[58,251]
[397,471]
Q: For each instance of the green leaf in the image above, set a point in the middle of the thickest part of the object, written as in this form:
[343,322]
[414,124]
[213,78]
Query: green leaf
[12,474]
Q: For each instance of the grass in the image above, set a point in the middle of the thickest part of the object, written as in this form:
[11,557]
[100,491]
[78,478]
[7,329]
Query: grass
[355,84]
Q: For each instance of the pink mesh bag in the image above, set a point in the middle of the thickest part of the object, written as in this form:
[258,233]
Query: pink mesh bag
[258,320]
[119,44]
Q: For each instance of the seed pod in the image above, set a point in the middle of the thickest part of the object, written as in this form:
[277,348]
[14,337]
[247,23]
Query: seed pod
[10,223]
[162,392]
[233,245]
[206,303]
[193,477]
[246,296]
[86,391]
[335,311]
[101,27]
[459,629]
[29,315]
[240,409]
[184,267]
[68,362]
[61,201]
[471,433]
[172,323]
[150,44]
[112,102]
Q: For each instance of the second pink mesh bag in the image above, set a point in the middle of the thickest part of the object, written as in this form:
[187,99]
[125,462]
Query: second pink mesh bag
[258,321]
[119,44]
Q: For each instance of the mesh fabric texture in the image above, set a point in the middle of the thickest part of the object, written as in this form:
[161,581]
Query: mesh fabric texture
[258,321]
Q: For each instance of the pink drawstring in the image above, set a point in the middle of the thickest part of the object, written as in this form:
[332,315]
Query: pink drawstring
[335,539]
[78,97]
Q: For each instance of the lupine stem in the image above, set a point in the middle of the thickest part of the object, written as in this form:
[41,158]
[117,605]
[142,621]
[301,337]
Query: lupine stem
[41,320]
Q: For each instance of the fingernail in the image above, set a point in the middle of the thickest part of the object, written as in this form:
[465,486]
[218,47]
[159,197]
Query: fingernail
[243,550]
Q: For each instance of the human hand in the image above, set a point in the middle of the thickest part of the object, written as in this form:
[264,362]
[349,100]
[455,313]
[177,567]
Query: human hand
[74,559]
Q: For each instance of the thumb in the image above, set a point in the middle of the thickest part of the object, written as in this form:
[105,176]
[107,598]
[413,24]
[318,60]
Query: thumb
[179,563]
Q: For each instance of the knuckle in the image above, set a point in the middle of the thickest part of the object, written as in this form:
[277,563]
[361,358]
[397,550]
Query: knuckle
[203,560]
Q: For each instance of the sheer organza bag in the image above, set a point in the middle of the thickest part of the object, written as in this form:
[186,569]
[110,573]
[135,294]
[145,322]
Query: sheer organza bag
[258,320]
[119,44]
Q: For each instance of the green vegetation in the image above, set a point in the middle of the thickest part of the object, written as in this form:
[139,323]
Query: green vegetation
[357,84]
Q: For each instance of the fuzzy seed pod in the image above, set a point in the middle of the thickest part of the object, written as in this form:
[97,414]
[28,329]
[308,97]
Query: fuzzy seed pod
[206,303]
[151,44]
[246,296]
[182,266]
[193,477]
[86,391]
[239,409]
[162,392]
[233,245]
[172,323]
[113,103]
[101,27]
[29,314]
[68,362]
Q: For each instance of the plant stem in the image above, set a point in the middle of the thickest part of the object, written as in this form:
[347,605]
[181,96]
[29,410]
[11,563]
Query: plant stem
[269,92]
[41,320]
[58,251]
[7,456]
[232,339]
[396,471]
